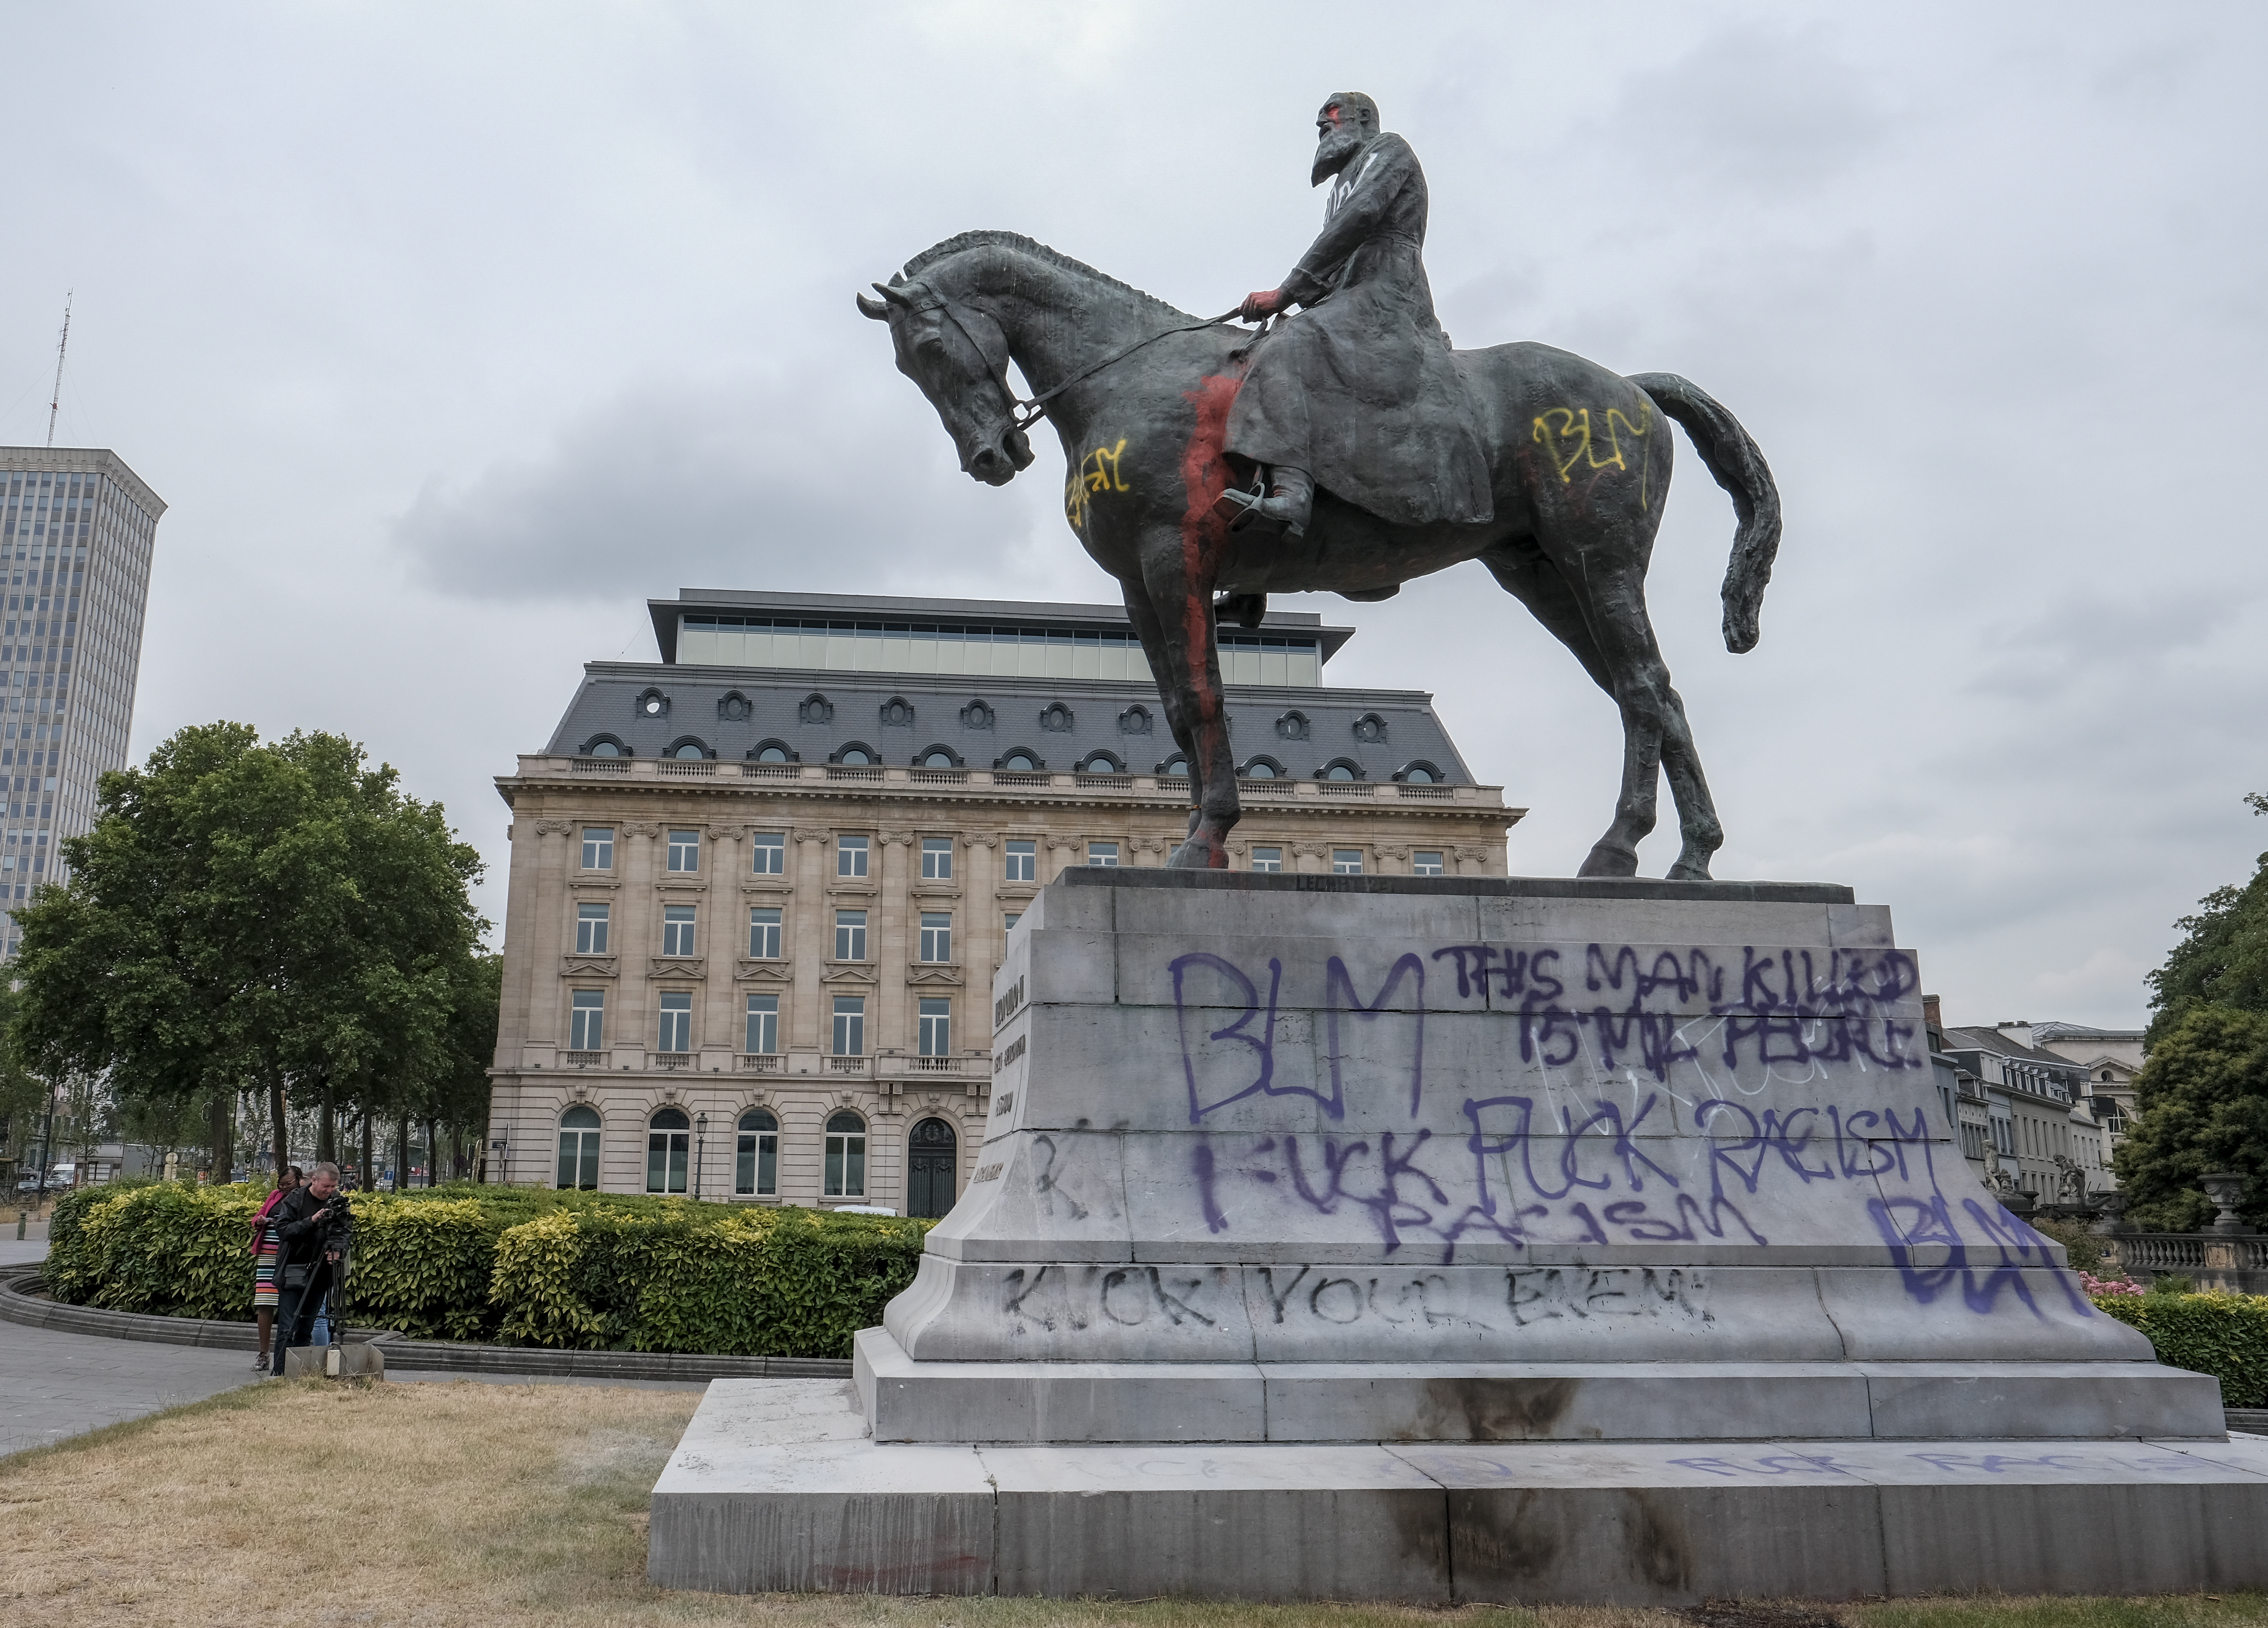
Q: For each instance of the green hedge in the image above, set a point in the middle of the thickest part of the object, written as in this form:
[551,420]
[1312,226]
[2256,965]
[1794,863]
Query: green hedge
[2223,1335]
[591,1271]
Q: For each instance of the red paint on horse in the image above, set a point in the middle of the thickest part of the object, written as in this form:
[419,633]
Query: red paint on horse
[1204,476]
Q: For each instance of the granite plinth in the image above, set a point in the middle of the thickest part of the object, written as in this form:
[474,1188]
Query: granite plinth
[775,1487]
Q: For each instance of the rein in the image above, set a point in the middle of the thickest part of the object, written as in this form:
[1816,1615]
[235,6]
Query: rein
[1024,415]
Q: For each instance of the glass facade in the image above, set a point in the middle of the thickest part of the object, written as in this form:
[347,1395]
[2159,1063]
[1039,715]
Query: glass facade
[76,539]
[1005,651]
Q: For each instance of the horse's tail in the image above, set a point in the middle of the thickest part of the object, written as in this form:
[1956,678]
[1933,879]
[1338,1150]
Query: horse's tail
[1740,469]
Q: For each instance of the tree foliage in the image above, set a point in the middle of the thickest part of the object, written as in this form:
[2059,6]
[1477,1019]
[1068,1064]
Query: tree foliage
[2222,959]
[2202,1102]
[248,915]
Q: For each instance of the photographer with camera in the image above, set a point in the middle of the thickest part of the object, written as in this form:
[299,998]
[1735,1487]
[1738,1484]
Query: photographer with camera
[314,1228]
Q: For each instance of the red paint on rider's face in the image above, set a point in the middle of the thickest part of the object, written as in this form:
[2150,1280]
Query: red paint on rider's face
[1204,476]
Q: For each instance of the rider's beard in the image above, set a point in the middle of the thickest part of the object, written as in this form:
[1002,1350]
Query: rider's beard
[1341,142]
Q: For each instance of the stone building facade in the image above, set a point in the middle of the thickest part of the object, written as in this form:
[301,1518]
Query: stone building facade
[755,907]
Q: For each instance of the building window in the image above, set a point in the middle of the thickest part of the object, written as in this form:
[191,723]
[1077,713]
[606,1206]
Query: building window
[1008,921]
[772,752]
[856,757]
[938,757]
[763,1025]
[932,1157]
[756,1167]
[579,1150]
[936,859]
[849,856]
[1103,763]
[1425,862]
[1055,718]
[586,1022]
[1176,765]
[846,1155]
[685,850]
[1023,861]
[604,748]
[767,853]
[677,921]
[1347,861]
[1419,772]
[1370,728]
[936,1027]
[937,935]
[850,935]
[591,929]
[1021,763]
[668,1149]
[597,847]
[1103,856]
[763,934]
[850,1026]
[1259,768]
[898,713]
[1267,858]
[1339,768]
[691,750]
[676,1032]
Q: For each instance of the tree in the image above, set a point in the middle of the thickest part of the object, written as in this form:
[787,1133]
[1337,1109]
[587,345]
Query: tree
[278,916]
[23,1094]
[2202,1102]
[2223,958]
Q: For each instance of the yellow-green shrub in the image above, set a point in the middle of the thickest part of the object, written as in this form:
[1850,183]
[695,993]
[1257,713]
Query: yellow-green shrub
[2223,1335]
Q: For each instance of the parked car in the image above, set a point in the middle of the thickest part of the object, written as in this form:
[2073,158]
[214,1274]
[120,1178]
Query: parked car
[29,1184]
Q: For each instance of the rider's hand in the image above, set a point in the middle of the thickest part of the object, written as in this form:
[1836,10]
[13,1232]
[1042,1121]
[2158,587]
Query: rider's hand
[1264,304]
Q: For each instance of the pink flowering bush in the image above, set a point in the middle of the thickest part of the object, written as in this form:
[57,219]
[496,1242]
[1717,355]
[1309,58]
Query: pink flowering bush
[2094,1285]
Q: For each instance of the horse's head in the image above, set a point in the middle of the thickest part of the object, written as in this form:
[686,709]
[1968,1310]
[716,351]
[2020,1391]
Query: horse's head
[959,356]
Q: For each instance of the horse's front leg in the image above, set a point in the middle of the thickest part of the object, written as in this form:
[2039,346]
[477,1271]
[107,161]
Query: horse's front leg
[1173,612]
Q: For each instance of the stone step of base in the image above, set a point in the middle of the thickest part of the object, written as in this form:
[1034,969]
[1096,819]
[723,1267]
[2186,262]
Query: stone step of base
[775,1487]
[1098,1402]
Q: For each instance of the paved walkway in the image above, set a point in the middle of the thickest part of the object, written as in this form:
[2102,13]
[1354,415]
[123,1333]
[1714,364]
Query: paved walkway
[54,1384]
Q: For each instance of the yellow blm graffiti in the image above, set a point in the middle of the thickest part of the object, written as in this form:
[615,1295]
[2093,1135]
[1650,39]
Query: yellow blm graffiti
[1097,472]
[1569,436]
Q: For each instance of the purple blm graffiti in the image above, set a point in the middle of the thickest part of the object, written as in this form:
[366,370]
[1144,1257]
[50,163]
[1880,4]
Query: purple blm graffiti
[1604,1094]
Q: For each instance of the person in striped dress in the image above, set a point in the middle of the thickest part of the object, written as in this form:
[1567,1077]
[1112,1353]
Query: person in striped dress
[266,1252]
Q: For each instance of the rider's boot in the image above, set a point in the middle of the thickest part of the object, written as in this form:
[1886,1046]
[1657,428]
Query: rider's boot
[1288,505]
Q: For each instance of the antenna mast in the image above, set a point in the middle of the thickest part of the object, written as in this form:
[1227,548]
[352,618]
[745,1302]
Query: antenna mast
[55,402]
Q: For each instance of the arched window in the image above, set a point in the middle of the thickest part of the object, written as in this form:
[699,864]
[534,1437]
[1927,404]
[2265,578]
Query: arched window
[1103,763]
[734,707]
[977,715]
[1370,728]
[1175,765]
[846,1155]
[756,1168]
[579,1150]
[1339,768]
[1023,762]
[1292,725]
[1055,718]
[933,1158]
[605,746]
[652,703]
[856,752]
[1134,721]
[772,752]
[938,757]
[668,1151]
[816,708]
[898,713]
[1417,771]
[689,747]
[1262,769]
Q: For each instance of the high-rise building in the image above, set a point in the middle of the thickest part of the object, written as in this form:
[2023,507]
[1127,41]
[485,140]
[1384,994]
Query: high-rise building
[76,539]
[760,887]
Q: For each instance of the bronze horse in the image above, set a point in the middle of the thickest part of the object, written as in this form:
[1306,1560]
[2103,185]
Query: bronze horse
[1139,393]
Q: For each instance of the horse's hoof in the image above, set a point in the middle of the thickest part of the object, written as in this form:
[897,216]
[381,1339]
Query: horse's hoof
[1196,854]
[1692,870]
[1610,859]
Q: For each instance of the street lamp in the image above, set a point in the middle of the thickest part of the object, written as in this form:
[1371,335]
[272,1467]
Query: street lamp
[700,1136]
[503,1166]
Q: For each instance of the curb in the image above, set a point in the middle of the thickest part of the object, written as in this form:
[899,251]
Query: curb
[19,1304]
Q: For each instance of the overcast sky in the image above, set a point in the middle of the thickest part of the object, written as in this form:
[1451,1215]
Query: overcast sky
[453,333]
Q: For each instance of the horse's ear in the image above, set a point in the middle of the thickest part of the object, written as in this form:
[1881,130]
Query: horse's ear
[895,293]
[873,308]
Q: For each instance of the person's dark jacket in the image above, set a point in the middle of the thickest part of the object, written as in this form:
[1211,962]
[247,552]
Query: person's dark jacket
[306,1231]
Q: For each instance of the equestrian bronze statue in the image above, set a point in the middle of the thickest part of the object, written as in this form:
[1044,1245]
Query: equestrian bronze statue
[1345,448]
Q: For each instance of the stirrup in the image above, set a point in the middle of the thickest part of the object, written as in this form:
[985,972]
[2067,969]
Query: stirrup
[1239,507]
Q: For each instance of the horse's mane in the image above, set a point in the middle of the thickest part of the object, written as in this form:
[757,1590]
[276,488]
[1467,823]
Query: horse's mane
[1023,245]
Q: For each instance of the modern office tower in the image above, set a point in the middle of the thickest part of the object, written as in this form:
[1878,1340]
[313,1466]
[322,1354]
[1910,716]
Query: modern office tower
[760,887]
[75,542]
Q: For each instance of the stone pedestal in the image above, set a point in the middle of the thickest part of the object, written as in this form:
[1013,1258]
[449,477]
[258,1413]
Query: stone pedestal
[1313,1170]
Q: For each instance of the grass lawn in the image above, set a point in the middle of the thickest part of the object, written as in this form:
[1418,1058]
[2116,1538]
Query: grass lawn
[492,1505]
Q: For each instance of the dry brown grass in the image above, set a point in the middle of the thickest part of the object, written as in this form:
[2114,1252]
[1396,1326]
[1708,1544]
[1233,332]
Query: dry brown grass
[502,1506]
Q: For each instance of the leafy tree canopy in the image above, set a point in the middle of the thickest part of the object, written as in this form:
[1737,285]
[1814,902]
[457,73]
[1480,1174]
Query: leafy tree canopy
[246,914]
[2223,958]
[2203,1101]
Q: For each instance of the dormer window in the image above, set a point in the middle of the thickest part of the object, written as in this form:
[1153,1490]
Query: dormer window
[816,708]
[1134,721]
[1370,728]
[1293,726]
[734,708]
[1055,718]
[652,703]
[977,715]
[898,713]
